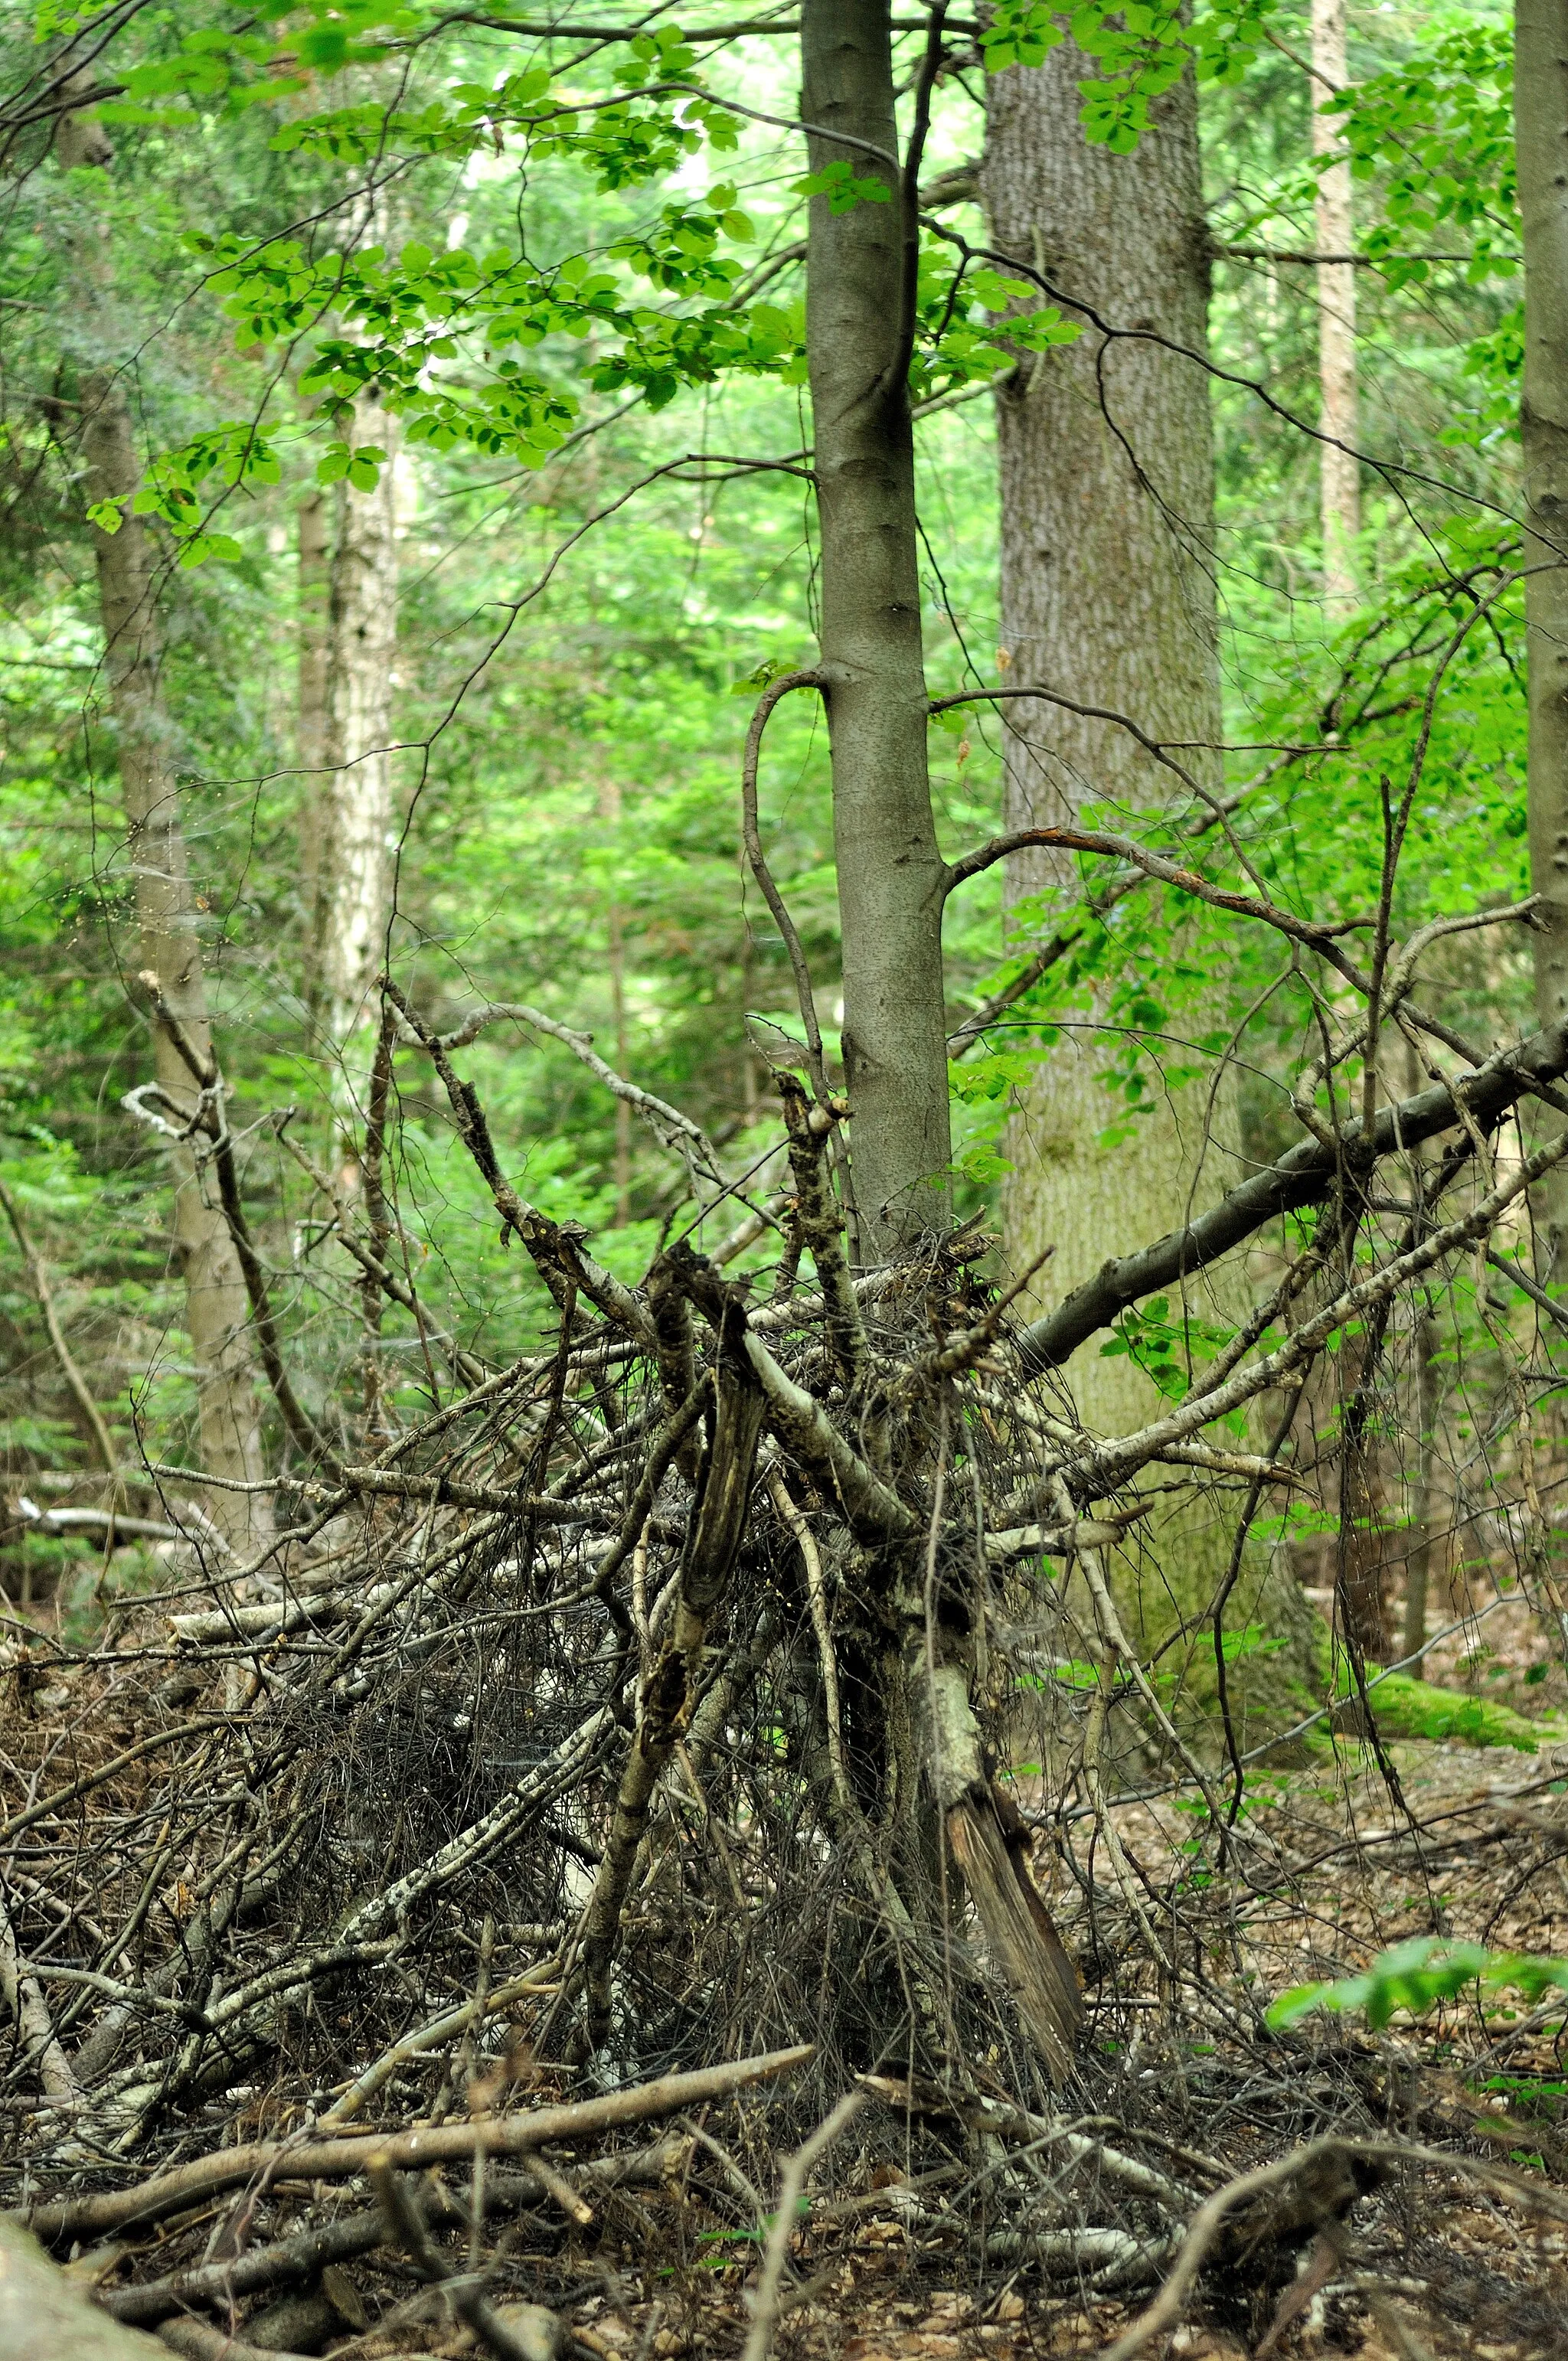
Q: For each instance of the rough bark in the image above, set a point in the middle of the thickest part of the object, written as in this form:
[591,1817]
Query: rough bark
[216,1303]
[615,944]
[354,874]
[1107,518]
[889,869]
[1541,124]
[1107,509]
[1339,476]
[1424,1534]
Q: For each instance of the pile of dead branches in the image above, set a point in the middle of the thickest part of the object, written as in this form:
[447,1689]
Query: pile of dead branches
[642,1704]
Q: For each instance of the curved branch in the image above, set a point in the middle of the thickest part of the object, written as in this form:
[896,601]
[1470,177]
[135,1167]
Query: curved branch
[1086,712]
[667,1123]
[776,691]
[1169,873]
[81,1392]
[1304,1176]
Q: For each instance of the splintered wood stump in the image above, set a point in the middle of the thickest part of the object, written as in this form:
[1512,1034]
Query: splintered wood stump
[1018,1927]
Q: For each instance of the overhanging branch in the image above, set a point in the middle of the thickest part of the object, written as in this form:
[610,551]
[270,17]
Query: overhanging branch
[1302,1177]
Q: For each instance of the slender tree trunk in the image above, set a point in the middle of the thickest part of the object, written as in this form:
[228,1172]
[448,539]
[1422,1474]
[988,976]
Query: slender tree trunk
[314,554]
[1428,1498]
[354,877]
[1339,470]
[609,810]
[217,1311]
[890,872]
[1107,504]
[1540,122]
[860,297]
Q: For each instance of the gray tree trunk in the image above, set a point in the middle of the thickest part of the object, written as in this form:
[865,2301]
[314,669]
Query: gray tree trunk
[890,872]
[859,295]
[217,1309]
[1541,124]
[44,2314]
[1107,503]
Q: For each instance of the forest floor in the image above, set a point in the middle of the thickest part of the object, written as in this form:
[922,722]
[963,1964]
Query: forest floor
[892,2258]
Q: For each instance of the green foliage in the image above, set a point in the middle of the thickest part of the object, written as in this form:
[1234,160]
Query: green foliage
[1415,1977]
[556,241]
[1141,51]
[1436,133]
[1169,1353]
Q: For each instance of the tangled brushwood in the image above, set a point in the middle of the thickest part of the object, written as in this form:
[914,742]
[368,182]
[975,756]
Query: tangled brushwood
[643,1728]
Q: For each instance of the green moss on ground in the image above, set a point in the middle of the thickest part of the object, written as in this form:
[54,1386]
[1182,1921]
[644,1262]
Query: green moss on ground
[1405,1707]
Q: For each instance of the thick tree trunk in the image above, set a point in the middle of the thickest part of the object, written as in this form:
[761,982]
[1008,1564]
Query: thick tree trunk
[1540,122]
[217,1310]
[1339,470]
[1107,595]
[1107,506]
[354,863]
[890,872]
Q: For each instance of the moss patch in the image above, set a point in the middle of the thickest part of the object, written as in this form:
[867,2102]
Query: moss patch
[1405,1708]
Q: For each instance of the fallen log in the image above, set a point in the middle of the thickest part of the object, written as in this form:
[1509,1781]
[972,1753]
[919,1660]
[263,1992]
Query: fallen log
[290,2262]
[303,2159]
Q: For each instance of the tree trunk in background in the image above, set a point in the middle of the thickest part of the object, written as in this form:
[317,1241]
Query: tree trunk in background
[890,872]
[217,1310]
[1339,470]
[1427,1500]
[609,811]
[1540,125]
[1108,595]
[355,863]
[314,550]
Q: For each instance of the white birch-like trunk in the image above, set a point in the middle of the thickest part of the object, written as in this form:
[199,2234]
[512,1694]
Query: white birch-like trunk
[1338,477]
[1108,597]
[353,833]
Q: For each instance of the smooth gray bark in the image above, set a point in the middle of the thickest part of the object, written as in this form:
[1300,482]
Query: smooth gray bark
[44,2314]
[890,872]
[1541,124]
